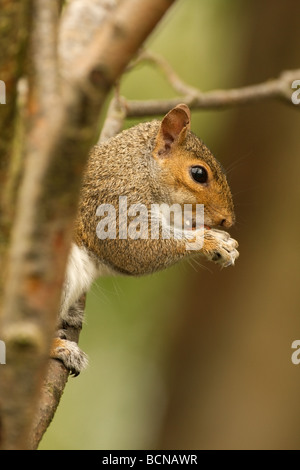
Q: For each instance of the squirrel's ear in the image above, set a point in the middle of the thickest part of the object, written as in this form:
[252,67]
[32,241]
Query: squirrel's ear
[173,130]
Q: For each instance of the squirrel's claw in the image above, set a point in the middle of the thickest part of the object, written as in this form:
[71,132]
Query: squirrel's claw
[220,248]
[69,353]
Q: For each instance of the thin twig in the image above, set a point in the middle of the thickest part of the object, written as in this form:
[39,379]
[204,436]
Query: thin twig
[162,64]
[115,118]
[280,88]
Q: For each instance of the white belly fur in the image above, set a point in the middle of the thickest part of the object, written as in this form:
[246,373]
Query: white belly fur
[81,272]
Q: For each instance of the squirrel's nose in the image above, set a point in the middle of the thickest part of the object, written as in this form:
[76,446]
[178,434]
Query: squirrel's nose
[227,222]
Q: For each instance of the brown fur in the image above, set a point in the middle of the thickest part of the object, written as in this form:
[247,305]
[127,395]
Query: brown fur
[150,163]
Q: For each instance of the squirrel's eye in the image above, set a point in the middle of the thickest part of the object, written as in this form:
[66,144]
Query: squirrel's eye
[199,174]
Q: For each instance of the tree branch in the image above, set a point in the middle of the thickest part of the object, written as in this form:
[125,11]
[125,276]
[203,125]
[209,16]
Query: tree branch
[52,389]
[162,64]
[280,89]
[57,150]
[14,35]
[120,108]
[115,118]
[85,16]
[14,28]
[26,322]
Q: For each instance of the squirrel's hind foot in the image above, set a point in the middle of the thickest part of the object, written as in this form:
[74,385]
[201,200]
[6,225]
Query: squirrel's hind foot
[69,353]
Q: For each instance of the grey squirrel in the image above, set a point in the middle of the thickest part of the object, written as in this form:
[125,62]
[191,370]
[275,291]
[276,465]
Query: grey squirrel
[151,163]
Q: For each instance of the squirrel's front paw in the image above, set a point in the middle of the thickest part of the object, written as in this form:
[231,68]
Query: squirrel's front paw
[70,354]
[220,247]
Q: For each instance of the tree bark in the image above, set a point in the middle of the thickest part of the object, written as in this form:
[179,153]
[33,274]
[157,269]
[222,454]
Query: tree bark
[63,126]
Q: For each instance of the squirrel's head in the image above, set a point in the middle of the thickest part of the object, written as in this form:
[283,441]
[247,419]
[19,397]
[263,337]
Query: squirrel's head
[190,170]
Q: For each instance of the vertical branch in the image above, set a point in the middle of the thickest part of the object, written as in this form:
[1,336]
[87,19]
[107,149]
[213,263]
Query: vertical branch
[114,121]
[44,82]
[52,389]
[14,28]
[14,34]
[85,16]
[57,150]
[26,322]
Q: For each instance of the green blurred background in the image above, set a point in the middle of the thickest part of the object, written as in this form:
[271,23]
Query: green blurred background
[197,357]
